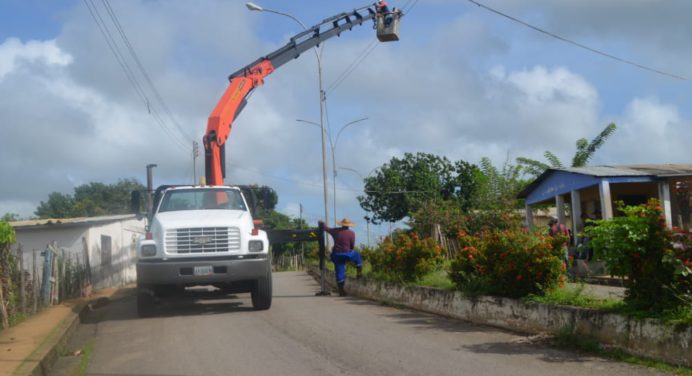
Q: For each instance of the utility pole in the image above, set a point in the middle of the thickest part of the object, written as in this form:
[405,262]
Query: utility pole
[300,225]
[367,225]
[195,154]
[150,187]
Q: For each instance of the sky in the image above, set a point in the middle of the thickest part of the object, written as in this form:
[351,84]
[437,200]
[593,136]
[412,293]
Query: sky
[463,82]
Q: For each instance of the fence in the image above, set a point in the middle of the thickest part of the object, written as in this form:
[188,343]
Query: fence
[51,276]
[288,261]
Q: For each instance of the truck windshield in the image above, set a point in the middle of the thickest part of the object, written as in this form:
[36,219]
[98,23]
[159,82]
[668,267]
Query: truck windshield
[202,199]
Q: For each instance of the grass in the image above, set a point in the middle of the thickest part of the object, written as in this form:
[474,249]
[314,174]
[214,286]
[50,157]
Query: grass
[566,339]
[87,351]
[437,279]
[676,316]
[576,297]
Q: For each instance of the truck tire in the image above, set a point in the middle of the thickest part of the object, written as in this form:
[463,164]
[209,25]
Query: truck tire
[262,293]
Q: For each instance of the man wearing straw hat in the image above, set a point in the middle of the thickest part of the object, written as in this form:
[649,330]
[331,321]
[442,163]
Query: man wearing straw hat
[343,251]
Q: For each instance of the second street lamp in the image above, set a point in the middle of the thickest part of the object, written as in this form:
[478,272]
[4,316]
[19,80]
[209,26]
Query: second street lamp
[332,146]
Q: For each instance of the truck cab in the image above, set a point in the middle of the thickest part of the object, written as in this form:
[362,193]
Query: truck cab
[201,236]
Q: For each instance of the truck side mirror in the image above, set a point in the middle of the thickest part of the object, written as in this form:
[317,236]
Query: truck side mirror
[136,203]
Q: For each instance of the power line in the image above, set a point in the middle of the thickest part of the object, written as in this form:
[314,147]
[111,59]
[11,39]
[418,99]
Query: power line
[583,46]
[365,53]
[352,67]
[112,45]
[124,37]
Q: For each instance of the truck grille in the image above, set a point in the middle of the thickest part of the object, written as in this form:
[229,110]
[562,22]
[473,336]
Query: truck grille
[202,240]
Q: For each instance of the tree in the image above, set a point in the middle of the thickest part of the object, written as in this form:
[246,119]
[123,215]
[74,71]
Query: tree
[585,151]
[59,205]
[498,189]
[401,186]
[92,199]
[10,217]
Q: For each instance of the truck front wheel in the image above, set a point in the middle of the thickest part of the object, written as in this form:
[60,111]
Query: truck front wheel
[262,293]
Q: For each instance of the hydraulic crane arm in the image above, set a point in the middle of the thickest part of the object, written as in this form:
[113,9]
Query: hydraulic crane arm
[245,80]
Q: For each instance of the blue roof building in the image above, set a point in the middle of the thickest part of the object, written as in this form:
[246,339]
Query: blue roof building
[592,191]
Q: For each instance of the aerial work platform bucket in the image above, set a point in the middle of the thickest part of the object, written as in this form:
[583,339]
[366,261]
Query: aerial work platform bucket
[391,32]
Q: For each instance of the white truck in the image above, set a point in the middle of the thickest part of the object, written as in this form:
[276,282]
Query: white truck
[202,235]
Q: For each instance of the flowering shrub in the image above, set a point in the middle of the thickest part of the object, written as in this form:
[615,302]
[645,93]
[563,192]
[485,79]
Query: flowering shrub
[640,247]
[406,257]
[513,262]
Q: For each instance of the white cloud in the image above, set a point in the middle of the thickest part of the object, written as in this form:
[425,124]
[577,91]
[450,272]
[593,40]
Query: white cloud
[14,54]
[651,132]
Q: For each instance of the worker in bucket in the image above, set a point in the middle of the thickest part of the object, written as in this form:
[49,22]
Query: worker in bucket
[383,11]
[343,251]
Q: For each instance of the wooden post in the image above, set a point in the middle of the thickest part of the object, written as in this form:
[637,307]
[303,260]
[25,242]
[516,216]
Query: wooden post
[3,308]
[22,284]
[35,282]
[86,290]
[56,276]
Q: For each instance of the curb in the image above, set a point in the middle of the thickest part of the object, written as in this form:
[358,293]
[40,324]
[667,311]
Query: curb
[45,355]
[38,363]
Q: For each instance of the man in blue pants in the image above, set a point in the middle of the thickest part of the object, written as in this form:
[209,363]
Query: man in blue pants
[343,251]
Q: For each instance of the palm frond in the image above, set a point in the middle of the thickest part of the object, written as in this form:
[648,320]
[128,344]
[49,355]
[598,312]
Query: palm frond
[553,159]
[531,166]
[583,156]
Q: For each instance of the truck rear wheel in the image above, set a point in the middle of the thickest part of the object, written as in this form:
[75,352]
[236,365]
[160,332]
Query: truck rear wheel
[262,293]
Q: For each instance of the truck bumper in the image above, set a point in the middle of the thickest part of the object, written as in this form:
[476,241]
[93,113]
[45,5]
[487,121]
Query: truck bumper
[183,272]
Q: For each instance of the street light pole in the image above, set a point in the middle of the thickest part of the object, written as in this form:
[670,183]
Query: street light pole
[255,7]
[332,145]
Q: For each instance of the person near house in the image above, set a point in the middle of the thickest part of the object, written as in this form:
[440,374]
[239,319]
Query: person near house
[555,228]
[585,251]
[343,251]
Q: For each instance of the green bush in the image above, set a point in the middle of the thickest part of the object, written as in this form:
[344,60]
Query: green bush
[512,262]
[638,246]
[453,219]
[405,257]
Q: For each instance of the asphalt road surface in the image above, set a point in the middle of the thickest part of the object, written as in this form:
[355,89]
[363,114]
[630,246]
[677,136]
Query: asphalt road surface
[209,334]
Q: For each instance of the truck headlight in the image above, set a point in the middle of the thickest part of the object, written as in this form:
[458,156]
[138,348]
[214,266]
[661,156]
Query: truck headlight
[256,246]
[149,250]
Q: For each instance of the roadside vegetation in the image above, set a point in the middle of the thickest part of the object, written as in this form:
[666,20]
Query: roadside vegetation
[465,232]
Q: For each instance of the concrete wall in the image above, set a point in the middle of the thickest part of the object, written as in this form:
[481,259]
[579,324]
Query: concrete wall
[648,338]
[117,267]
[108,269]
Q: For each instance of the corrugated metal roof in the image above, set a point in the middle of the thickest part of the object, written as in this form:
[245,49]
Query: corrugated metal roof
[633,170]
[655,170]
[58,222]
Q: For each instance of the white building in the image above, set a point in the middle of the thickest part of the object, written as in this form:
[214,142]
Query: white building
[105,244]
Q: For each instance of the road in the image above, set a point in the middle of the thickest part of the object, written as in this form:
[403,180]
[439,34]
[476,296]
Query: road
[307,335]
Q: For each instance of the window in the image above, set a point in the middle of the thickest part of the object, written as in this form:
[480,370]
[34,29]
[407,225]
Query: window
[202,199]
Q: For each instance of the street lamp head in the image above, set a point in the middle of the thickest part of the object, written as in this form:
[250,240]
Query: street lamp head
[253,6]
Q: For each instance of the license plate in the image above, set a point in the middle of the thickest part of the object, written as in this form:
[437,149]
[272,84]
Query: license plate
[203,270]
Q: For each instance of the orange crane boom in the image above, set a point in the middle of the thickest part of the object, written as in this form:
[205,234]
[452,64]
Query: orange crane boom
[245,80]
